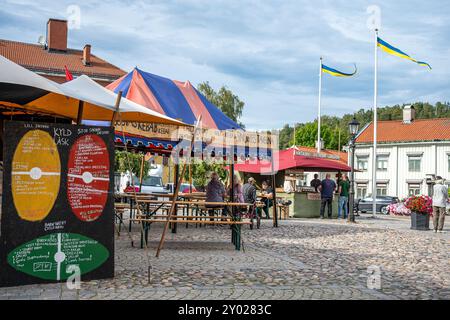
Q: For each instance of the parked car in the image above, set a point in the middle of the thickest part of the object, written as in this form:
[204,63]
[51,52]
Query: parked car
[184,188]
[366,204]
[151,184]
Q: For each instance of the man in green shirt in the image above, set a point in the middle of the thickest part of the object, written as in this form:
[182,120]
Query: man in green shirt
[344,187]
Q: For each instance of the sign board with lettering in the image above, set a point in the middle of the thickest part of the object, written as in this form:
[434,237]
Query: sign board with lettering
[216,137]
[57,206]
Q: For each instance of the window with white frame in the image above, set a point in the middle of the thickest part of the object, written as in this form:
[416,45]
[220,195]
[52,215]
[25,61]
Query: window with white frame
[362,164]
[382,163]
[414,189]
[382,189]
[448,160]
[361,190]
[414,163]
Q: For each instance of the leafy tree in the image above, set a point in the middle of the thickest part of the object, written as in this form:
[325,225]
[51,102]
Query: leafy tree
[135,160]
[201,172]
[225,100]
[333,127]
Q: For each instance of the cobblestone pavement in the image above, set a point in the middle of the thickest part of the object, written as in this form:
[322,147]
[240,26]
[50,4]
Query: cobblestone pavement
[302,259]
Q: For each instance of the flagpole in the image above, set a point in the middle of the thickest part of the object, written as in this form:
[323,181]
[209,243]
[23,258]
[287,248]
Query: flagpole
[375,124]
[319,111]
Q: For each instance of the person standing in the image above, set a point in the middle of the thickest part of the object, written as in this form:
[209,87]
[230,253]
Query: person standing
[440,199]
[327,188]
[344,187]
[315,182]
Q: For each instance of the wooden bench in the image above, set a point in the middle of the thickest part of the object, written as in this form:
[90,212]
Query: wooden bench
[235,234]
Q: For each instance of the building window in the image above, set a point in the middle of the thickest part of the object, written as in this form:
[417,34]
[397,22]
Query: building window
[448,160]
[361,191]
[414,189]
[362,164]
[382,163]
[381,189]
[414,164]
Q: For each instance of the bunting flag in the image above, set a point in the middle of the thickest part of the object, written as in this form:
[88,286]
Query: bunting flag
[69,76]
[337,73]
[386,47]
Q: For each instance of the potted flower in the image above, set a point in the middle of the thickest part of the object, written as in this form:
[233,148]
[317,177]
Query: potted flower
[421,208]
[399,209]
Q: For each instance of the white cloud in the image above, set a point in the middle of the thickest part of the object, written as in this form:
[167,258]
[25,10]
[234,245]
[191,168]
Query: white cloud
[266,52]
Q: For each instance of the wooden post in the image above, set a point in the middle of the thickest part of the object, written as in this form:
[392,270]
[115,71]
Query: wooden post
[177,190]
[141,173]
[80,112]
[190,178]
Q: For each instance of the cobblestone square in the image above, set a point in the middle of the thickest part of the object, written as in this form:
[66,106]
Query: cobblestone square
[302,259]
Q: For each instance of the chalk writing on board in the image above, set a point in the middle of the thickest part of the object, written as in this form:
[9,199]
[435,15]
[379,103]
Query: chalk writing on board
[36,171]
[88,177]
[47,257]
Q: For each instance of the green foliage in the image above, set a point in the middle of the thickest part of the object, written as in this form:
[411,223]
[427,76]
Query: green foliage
[135,160]
[201,172]
[306,134]
[225,100]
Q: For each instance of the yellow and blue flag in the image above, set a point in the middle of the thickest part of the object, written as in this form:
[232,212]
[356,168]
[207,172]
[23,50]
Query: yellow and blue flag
[337,73]
[386,47]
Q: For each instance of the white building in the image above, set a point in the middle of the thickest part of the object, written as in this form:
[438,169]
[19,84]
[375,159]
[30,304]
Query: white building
[410,153]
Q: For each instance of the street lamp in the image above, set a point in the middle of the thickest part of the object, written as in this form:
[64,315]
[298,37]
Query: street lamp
[353,128]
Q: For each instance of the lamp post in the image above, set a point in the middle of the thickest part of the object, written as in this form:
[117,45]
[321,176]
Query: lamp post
[353,127]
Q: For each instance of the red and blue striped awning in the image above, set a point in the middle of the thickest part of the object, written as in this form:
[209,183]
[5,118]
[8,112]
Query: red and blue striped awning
[176,99]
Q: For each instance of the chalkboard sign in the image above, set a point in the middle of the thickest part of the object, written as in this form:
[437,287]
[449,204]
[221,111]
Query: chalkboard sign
[57,205]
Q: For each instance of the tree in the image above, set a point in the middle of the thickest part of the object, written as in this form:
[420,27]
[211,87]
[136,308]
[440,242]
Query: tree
[225,100]
[201,172]
[135,160]
[334,127]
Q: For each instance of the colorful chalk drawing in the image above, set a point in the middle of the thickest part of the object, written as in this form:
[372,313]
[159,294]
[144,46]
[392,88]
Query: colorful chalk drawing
[36,174]
[49,256]
[88,177]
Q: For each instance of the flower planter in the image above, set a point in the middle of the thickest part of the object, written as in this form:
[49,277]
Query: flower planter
[420,221]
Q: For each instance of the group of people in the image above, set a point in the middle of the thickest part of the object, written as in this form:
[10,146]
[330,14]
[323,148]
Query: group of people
[327,188]
[216,192]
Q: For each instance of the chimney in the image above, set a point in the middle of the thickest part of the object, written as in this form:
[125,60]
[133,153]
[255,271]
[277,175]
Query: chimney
[409,114]
[57,35]
[87,55]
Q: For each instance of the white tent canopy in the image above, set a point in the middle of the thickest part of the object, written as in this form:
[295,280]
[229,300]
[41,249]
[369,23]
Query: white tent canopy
[23,89]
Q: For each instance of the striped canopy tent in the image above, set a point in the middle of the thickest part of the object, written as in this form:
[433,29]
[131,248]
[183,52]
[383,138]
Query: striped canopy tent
[175,99]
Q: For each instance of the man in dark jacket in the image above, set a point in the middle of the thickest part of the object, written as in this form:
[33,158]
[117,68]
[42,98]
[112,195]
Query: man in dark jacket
[327,188]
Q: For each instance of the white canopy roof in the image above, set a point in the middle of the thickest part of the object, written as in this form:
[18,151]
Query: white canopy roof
[62,99]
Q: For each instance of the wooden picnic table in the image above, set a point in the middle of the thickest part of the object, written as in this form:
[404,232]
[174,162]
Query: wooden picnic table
[234,220]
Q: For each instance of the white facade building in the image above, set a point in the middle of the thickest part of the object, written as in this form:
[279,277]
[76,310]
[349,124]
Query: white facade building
[410,153]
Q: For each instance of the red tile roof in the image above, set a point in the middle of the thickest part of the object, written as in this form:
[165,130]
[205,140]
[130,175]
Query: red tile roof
[35,58]
[418,130]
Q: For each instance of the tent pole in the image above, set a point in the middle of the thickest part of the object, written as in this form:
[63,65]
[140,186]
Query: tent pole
[275,216]
[119,97]
[178,181]
[80,112]
[141,174]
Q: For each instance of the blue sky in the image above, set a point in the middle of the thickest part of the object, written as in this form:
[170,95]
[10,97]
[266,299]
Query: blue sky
[267,52]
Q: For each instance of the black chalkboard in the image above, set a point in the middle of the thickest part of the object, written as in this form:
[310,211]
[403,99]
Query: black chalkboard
[57,205]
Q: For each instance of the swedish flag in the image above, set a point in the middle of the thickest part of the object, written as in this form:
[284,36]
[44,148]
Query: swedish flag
[386,47]
[337,73]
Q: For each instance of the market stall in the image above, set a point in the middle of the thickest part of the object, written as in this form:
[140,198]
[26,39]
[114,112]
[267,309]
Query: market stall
[305,200]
